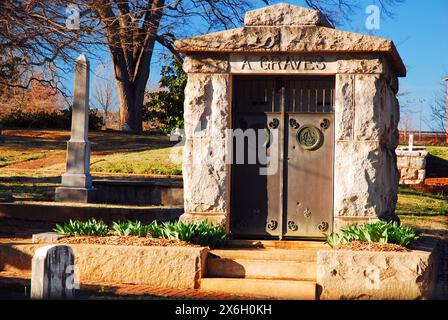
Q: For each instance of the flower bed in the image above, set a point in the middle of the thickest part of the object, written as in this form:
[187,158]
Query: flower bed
[375,261]
[169,255]
[168,233]
[382,233]
[371,246]
[125,241]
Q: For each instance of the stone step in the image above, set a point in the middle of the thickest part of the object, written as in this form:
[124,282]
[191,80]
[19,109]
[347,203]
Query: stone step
[261,269]
[155,192]
[278,244]
[271,289]
[264,254]
[262,264]
[61,212]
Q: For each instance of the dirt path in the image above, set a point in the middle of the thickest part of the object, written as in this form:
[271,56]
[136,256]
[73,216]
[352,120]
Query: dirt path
[39,163]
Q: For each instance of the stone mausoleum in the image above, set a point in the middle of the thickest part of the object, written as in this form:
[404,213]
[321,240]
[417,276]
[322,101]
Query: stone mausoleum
[326,102]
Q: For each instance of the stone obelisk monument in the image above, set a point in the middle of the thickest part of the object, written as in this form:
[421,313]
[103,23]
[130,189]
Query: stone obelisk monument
[77,181]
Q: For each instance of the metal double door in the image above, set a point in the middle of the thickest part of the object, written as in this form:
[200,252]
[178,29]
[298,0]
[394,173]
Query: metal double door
[287,125]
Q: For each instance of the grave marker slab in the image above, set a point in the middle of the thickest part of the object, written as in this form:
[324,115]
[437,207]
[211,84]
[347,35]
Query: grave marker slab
[53,275]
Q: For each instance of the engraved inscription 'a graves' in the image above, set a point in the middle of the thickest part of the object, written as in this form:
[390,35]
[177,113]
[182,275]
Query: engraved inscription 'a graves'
[282,64]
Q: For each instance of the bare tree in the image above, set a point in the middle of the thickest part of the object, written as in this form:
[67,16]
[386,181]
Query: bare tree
[406,123]
[339,11]
[39,32]
[104,95]
[34,37]
[131,30]
[438,110]
[105,98]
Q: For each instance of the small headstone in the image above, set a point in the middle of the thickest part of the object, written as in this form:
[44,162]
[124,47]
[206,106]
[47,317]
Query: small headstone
[53,274]
[176,135]
[411,142]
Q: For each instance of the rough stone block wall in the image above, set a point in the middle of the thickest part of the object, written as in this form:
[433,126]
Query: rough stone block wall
[364,275]
[366,121]
[207,116]
[412,166]
[367,115]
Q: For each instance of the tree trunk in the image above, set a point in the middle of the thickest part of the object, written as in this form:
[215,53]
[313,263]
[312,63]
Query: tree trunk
[131,56]
[131,96]
[127,101]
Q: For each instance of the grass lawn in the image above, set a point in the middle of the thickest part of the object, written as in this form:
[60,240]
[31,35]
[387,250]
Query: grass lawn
[422,210]
[166,161]
[112,152]
[32,161]
[15,156]
[17,149]
[155,161]
[440,152]
[28,185]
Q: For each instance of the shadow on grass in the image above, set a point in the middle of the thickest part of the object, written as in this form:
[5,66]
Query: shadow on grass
[101,142]
[413,192]
[436,167]
[22,179]
[23,143]
[30,188]
[19,228]
[412,214]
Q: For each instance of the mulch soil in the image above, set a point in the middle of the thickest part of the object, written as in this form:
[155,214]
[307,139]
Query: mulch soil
[371,246]
[125,241]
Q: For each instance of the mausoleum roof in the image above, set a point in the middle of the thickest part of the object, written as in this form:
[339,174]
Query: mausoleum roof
[284,28]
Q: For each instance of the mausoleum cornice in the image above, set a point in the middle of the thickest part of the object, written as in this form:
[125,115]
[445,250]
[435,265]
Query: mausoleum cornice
[284,28]
[292,39]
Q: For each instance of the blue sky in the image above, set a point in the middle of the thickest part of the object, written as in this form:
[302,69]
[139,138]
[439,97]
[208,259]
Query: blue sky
[419,29]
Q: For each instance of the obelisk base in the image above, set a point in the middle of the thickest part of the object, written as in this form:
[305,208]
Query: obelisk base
[80,195]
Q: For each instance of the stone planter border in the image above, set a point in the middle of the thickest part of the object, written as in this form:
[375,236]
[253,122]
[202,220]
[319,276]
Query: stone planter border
[341,274]
[370,275]
[170,267]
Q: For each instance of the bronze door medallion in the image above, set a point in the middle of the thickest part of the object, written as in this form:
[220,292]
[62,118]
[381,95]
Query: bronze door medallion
[309,137]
